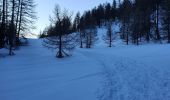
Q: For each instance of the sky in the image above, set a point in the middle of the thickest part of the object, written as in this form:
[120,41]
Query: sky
[45,8]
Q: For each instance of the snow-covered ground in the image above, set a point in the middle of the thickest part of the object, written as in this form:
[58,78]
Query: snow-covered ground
[101,73]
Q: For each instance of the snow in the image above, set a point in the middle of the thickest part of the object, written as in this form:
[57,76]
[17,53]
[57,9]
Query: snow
[35,74]
[101,73]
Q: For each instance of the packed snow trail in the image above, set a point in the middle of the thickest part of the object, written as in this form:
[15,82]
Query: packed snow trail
[128,78]
[101,73]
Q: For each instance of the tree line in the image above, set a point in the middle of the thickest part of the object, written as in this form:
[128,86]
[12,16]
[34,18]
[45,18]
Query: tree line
[145,20]
[140,21]
[16,18]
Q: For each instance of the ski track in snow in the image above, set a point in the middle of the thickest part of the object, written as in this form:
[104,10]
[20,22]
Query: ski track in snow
[128,79]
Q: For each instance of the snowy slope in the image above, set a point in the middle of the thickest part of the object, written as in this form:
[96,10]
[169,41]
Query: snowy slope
[102,73]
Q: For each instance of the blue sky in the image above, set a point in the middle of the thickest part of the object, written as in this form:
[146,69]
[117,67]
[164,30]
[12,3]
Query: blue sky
[45,8]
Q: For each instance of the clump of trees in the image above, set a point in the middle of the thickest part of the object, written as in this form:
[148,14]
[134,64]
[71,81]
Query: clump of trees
[63,35]
[16,18]
[86,24]
[141,20]
[88,31]
[110,36]
[144,20]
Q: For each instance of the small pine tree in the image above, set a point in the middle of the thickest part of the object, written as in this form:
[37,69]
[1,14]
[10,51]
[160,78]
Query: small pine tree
[60,38]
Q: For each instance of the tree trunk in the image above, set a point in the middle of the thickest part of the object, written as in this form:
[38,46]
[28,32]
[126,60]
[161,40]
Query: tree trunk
[110,43]
[90,41]
[81,40]
[6,17]
[148,29]
[2,30]
[137,38]
[127,39]
[158,37]
[60,55]
[168,29]
[127,35]
[87,41]
[12,30]
[123,35]
[18,12]
[110,36]
[20,18]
